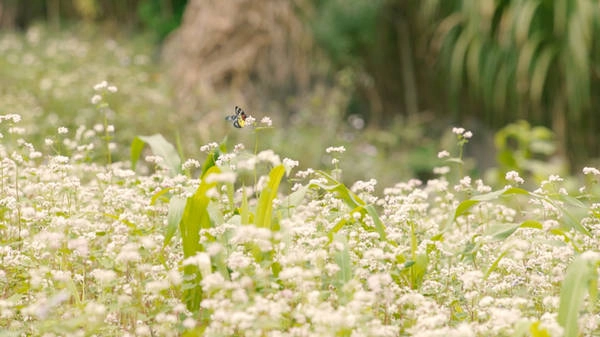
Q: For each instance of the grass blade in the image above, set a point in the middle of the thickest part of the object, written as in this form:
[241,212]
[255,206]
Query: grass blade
[264,209]
[580,275]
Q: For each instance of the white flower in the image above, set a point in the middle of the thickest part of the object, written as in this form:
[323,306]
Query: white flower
[224,177]
[269,156]
[100,85]
[266,121]
[96,99]
[591,170]
[190,163]
[458,131]
[338,149]
[443,154]
[209,147]
[514,176]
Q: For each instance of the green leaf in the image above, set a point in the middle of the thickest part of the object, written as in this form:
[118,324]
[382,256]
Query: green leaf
[195,216]
[464,207]
[418,270]
[244,210]
[502,231]
[159,194]
[342,258]
[379,226]
[294,199]
[160,147]
[176,209]
[494,265]
[264,209]
[580,274]
[137,145]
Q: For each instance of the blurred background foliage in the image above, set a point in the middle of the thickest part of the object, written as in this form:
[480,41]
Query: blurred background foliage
[386,76]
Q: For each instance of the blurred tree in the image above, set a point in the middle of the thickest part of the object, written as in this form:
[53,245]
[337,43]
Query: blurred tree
[161,16]
[531,59]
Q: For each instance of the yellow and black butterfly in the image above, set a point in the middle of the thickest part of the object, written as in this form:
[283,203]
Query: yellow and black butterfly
[239,119]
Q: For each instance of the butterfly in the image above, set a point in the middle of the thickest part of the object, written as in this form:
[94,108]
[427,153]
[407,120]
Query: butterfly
[239,119]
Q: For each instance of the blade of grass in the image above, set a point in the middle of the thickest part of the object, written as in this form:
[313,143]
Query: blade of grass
[264,209]
[580,274]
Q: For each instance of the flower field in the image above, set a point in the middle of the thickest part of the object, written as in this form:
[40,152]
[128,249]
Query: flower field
[239,240]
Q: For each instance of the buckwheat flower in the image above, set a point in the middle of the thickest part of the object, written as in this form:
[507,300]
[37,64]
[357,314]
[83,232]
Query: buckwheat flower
[305,174]
[35,154]
[247,165]
[591,170]
[458,131]
[269,156]
[100,85]
[112,88]
[471,279]
[250,121]
[238,260]
[189,323]
[155,287]
[142,330]
[225,158]
[211,282]
[209,147]
[174,276]
[481,187]
[289,164]
[335,161]
[190,164]
[98,128]
[79,245]
[15,130]
[154,159]
[441,170]
[486,301]
[223,177]
[514,176]
[591,256]
[15,118]
[200,260]
[96,99]
[128,253]
[110,128]
[338,149]
[468,134]
[62,130]
[554,178]
[266,121]
[94,308]
[443,154]
[464,184]
[238,148]
[103,276]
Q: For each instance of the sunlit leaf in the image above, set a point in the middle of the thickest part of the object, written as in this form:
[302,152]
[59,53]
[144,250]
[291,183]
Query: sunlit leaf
[575,286]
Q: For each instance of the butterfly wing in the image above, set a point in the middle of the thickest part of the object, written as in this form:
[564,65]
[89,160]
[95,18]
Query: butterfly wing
[239,118]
